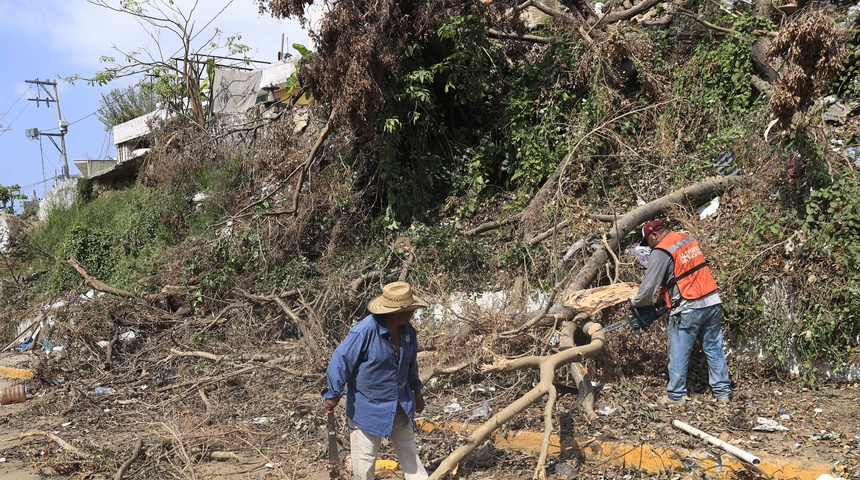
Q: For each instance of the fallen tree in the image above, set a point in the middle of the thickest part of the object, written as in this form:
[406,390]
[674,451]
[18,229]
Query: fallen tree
[547,366]
[621,226]
[573,356]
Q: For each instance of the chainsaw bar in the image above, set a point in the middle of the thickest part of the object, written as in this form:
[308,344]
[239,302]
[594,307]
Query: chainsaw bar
[613,326]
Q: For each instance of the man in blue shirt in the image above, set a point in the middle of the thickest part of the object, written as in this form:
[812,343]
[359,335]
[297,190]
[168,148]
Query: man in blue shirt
[377,363]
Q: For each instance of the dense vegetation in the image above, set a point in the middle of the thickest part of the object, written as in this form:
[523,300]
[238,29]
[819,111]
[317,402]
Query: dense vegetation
[447,114]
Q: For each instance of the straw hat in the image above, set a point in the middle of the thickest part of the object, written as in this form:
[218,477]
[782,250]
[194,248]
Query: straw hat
[396,297]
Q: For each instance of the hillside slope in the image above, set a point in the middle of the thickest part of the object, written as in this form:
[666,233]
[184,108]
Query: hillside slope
[470,155]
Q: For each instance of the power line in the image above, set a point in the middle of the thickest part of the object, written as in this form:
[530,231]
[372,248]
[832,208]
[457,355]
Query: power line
[16,103]
[13,120]
[42,152]
[37,183]
[103,153]
[84,118]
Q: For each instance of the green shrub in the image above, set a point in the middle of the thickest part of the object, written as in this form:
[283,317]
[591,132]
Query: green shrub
[119,239]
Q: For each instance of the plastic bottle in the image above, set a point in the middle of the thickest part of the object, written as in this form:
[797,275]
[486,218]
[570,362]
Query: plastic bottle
[103,390]
[14,394]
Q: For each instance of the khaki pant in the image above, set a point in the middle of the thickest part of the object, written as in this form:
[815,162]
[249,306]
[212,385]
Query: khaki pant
[364,448]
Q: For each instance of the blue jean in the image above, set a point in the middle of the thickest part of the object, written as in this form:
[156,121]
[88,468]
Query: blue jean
[701,324]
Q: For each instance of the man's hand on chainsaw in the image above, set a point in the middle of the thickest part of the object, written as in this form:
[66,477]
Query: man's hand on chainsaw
[330,403]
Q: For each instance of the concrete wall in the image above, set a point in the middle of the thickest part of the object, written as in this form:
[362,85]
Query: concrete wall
[62,196]
[4,234]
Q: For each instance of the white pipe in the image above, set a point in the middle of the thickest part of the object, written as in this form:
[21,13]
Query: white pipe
[744,456]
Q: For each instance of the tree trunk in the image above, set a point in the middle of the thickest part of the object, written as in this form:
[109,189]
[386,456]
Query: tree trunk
[758,54]
[625,224]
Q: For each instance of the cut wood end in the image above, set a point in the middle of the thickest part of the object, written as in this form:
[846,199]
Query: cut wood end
[788,8]
[593,300]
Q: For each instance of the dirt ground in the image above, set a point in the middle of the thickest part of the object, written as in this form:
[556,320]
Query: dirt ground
[267,423]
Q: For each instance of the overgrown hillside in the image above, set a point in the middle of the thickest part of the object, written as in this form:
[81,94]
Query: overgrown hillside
[480,146]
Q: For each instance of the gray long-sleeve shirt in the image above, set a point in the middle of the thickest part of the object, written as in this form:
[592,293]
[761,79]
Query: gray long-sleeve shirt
[661,269]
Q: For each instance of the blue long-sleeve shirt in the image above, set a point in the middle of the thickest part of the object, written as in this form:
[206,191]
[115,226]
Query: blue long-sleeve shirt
[376,378]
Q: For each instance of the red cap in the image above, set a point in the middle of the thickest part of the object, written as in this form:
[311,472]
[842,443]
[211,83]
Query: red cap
[649,228]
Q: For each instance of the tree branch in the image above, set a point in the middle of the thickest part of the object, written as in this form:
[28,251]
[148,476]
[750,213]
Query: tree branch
[641,7]
[311,156]
[687,13]
[631,220]
[493,33]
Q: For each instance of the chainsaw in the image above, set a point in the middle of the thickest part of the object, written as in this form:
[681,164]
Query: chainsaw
[641,318]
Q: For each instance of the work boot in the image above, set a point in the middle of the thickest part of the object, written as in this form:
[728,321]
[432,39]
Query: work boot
[722,400]
[665,401]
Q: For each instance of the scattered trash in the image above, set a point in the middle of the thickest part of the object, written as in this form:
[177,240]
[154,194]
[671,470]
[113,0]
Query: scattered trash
[553,341]
[385,465]
[483,411]
[66,424]
[103,390]
[785,417]
[777,392]
[483,389]
[768,425]
[577,246]
[129,335]
[103,343]
[852,153]
[824,435]
[836,113]
[14,394]
[607,408]
[750,403]
[2,459]
[264,420]
[452,407]
[563,470]
[709,208]
[642,254]
[817,410]
[58,304]
[273,465]
[598,8]
[725,164]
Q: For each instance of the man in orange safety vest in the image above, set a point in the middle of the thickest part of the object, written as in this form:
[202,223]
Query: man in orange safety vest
[677,269]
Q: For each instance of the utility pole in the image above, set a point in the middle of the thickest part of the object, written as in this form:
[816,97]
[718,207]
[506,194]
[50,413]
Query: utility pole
[63,124]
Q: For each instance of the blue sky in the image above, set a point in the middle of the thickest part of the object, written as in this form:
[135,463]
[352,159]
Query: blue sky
[54,39]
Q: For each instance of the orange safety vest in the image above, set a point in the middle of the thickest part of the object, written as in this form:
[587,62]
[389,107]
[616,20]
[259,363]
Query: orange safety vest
[692,274]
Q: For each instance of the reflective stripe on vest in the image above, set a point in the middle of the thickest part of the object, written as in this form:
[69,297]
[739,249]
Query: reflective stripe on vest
[692,275]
